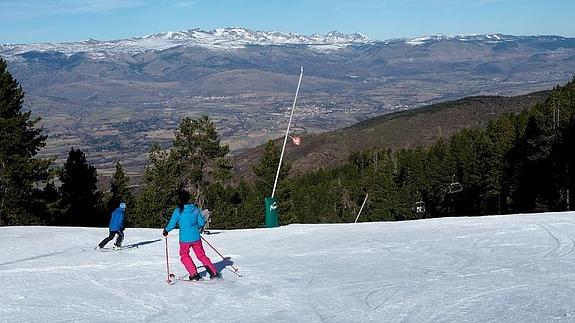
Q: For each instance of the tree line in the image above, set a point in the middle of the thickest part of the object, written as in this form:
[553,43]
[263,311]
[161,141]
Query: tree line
[519,163]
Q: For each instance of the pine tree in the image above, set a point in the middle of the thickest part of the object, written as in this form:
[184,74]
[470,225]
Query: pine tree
[162,180]
[569,143]
[412,181]
[80,196]
[266,170]
[20,140]
[535,180]
[440,169]
[562,105]
[465,149]
[381,187]
[119,190]
[50,204]
[197,146]
[501,133]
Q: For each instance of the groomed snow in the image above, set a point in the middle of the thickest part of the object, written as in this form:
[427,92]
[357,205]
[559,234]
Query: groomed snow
[518,268]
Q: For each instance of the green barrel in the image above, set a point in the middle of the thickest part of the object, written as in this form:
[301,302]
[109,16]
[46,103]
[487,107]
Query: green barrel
[271,212]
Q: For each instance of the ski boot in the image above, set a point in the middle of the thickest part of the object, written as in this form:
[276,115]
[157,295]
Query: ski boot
[213,275]
[195,277]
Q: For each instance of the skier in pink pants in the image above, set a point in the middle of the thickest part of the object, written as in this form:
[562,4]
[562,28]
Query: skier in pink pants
[190,220]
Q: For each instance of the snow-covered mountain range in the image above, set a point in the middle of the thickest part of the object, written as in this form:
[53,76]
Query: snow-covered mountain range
[229,39]
[218,39]
[483,38]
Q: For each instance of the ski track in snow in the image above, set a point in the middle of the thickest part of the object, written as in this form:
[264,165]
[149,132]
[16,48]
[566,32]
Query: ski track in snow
[516,268]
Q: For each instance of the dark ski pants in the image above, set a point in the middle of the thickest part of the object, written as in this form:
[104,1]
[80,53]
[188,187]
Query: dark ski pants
[111,236]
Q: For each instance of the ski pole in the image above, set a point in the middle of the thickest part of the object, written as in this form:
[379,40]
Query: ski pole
[167,262]
[209,244]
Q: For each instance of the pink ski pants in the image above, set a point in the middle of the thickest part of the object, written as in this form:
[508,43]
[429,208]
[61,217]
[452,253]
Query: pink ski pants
[200,254]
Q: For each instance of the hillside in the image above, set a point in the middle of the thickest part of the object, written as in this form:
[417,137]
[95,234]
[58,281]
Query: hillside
[516,268]
[405,129]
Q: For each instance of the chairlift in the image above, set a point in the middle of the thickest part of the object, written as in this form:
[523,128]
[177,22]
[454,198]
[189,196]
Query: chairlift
[418,207]
[454,187]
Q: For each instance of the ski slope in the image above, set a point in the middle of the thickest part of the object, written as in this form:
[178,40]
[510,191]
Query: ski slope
[516,268]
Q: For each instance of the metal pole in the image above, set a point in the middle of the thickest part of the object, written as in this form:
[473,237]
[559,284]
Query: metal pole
[287,132]
[168,280]
[365,200]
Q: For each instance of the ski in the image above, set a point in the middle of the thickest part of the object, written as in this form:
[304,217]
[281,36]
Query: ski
[185,278]
[105,249]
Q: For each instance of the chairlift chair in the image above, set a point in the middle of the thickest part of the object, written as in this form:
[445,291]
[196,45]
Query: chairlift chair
[454,187]
[418,207]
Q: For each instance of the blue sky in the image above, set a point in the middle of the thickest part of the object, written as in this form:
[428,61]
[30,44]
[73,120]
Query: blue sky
[32,21]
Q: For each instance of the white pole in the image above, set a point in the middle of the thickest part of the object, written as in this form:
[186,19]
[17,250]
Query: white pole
[361,208]
[287,132]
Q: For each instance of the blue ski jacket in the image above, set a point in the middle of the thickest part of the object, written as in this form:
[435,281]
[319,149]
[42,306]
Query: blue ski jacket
[190,220]
[117,220]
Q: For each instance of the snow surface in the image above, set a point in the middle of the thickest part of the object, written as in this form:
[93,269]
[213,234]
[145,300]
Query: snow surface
[517,268]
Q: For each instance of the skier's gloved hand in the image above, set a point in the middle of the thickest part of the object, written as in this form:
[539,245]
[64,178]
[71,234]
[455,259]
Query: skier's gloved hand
[165,233]
[202,229]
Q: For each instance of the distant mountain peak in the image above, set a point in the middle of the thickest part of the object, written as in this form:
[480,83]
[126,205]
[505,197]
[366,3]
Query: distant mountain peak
[483,38]
[461,37]
[235,36]
[217,39]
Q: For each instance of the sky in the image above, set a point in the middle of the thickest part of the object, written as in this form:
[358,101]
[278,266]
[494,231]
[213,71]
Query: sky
[38,21]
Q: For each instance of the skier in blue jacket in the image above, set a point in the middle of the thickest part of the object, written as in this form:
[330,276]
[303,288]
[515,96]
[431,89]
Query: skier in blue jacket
[117,226]
[191,222]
